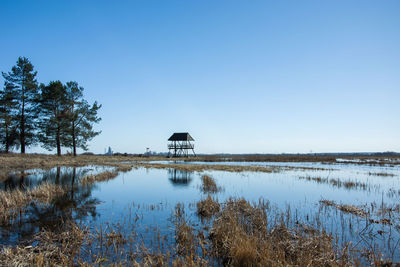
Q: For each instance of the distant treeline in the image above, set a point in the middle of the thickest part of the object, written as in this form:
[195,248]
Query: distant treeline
[335,154]
[54,115]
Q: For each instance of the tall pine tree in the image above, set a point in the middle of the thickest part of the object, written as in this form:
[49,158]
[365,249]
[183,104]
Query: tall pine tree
[21,82]
[8,135]
[81,117]
[53,115]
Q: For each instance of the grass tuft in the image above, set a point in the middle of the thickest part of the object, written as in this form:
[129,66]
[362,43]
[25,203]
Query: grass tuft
[208,207]
[11,202]
[101,177]
[209,185]
[240,237]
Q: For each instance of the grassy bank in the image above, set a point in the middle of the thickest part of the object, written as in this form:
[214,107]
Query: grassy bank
[17,162]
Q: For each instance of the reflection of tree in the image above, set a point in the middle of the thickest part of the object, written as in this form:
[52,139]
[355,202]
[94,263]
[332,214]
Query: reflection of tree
[16,180]
[179,178]
[25,180]
[76,204]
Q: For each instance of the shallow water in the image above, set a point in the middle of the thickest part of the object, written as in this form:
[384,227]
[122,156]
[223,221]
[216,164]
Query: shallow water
[144,198]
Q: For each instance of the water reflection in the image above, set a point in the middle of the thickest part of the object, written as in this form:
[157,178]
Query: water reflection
[179,178]
[18,180]
[75,204]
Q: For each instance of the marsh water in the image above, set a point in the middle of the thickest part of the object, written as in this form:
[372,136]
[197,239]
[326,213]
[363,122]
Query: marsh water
[144,199]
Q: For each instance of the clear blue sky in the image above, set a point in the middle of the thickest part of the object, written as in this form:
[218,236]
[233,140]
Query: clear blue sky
[240,76]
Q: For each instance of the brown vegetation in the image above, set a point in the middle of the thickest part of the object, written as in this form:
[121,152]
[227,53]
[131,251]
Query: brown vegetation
[348,184]
[101,177]
[240,237]
[345,208]
[123,168]
[208,207]
[53,249]
[16,162]
[349,159]
[11,201]
[204,167]
[209,185]
[380,174]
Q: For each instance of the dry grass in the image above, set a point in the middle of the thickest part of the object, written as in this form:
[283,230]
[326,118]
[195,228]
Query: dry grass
[204,167]
[53,249]
[184,233]
[240,237]
[386,174]
[208,207]
[359,159]
[315,179]
[209,185]
[101,177]
[348,184]
[345,208]
[11,201]
[123,168]
[17,162]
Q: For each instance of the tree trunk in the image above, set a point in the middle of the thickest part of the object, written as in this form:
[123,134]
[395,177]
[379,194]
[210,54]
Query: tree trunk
[73,139]
[7,139]
[58,175]
[22,126]
[58,141]
[22,134]
[72,183]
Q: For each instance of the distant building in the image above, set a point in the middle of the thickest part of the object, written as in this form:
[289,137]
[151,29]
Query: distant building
[109,151]
[180,145]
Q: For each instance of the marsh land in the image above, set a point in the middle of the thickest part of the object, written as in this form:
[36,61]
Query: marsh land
[253,210]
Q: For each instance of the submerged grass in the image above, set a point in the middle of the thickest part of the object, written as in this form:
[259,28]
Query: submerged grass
[345,208]
[347,184]
[13,201]
[209,185]
[381,174]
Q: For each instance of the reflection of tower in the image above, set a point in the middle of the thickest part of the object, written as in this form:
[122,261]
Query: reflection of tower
[179,178]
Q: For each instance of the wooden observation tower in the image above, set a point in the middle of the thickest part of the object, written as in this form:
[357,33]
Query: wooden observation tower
[180,145]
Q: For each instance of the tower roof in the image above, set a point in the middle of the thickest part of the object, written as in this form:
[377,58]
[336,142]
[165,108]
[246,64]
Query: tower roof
[181,137]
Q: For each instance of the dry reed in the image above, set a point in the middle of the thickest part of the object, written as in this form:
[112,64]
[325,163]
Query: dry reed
[10,201]
[345,208]
[209,185]
[240,237]
[52,249]
[208,207]
[101,177]
[216,167]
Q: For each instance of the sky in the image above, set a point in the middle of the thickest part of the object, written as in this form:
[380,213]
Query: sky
[239,76]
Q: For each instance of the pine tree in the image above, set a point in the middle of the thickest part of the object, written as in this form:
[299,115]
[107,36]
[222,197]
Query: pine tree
[21,81]
[81,117]
[8,135]
[53,115]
